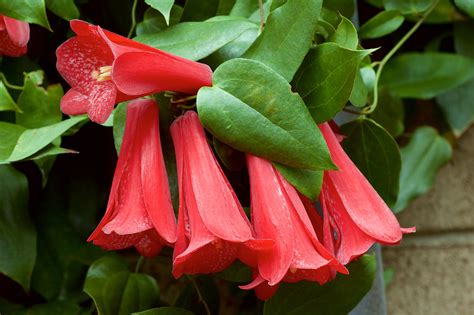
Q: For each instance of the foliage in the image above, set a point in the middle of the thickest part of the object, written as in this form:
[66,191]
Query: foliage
[401,87]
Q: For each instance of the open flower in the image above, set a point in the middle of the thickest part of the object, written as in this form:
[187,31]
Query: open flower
[139,212]
[279,214]
[212,227]
[104,68]
[355,216]
[14,35]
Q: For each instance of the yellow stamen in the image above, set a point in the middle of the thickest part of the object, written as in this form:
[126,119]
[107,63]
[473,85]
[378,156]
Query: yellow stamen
[104,74]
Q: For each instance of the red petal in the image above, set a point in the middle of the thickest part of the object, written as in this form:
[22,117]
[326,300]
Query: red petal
[101,101]
[82,28]
[18,31]
[74,103]
[154,178]
[362,203]
[271,219]
[79,57]
[141,73]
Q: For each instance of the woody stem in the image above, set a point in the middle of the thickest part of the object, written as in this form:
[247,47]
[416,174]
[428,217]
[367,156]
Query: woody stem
[8,85]
[134,20]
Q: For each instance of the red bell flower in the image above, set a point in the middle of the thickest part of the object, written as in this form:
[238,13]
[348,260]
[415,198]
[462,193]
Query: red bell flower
[279,214]
[14,35]
[139,212]
[104,68]
[355,216]
[212,227]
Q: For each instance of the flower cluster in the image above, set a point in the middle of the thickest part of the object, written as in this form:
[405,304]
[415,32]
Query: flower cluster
[284,240]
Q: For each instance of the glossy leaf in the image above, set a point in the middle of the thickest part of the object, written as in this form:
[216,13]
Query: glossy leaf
[196,40]
[115,290]
[154,22]
[346,7]
[326,78]
[277,47]
[304,298]
[458,107]
[426,75]
[466,5]
[382,24]
[390,113]
[345,35]
[22,143]
[421,159]
[31,11]
[6,101]
[198,10]
[163,6]
[17,233]
[463,42]
[40,107]
[408,6]
[376,154]
[165,311]
[63,8]
[251,108]
[359,93]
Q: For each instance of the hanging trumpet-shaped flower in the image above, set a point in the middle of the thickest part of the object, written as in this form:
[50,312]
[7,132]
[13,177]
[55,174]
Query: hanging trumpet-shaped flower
[279,214]
[355,216]
[212,227]
[104,68]
[139,212]
[14,36]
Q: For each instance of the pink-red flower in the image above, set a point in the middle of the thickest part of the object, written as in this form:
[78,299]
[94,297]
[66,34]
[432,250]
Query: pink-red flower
[279,214]
[355,216]
[212,227]
[14,36]
[139,212]
[104,68]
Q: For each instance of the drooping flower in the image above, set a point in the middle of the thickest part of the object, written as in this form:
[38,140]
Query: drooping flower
[278,213]
[355,216]
[212,227]
[104,68]
[139,211]
[14,36]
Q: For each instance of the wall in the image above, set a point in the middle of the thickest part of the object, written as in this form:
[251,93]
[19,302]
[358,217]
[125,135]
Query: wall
[434,268]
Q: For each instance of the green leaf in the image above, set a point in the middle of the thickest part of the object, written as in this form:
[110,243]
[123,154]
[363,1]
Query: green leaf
[251,108]
[336,297]
[421,159]
[463,42]
[20,145]
[426,75]
[345,35]
[237,272]
[63,8]
[458,107]
[39,107]
[382,24]
[326,78]
[443,12]
[120,116]
[17,233]
[466,5]
[198,10]
[346,7]
[115,290]
[376,154]
[408,6]
[31,11]
[163,6]
[154,22]
[390,113]
[196,40]
[359,93]
[307,182]
[6,101]
[287,36]
[55,308]
[232,159]
[165,311]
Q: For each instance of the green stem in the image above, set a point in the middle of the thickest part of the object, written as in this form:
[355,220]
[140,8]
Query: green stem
[390,54]
[134,20]
[201,299]
[139,264]
[8,85]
